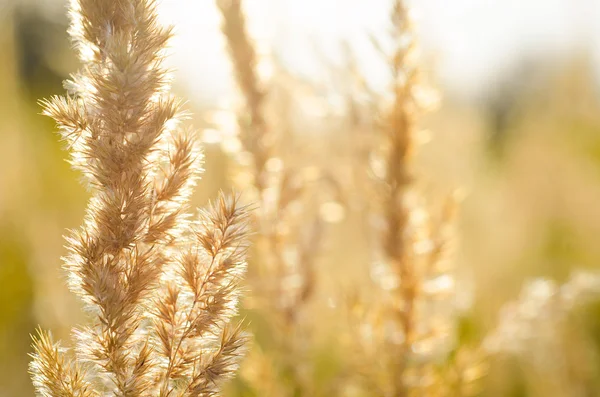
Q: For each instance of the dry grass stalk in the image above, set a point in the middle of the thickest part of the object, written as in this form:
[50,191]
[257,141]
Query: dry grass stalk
[410,332]
[289,237]
[255,135]
[279,187]
[161,288]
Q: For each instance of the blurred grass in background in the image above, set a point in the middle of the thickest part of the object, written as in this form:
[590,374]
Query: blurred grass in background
[527,155]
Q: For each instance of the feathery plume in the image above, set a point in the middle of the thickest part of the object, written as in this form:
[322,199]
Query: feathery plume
[149,333]
[56,374]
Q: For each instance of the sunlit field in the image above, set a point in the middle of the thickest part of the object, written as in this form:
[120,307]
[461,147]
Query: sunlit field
[278,198]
